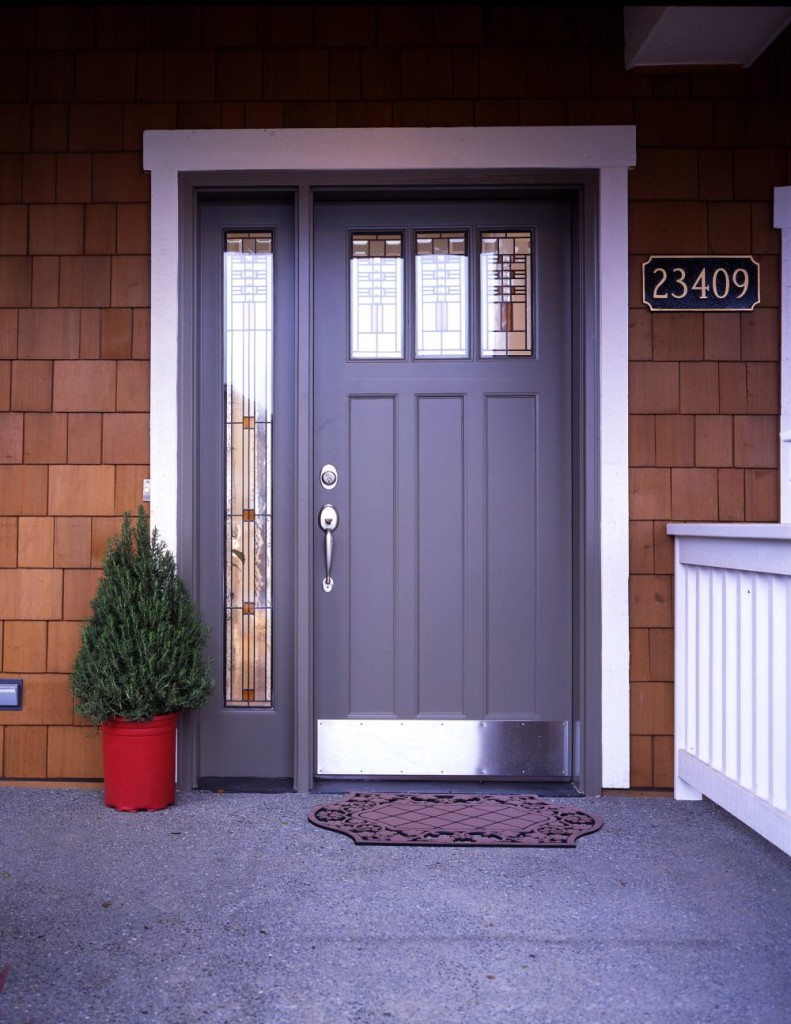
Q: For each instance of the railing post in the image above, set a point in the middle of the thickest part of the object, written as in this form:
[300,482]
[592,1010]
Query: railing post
[681,790]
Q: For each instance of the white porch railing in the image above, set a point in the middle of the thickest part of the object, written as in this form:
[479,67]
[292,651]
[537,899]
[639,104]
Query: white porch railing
[733,671]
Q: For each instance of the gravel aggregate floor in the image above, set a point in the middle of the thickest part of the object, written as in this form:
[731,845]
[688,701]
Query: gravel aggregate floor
[232,908]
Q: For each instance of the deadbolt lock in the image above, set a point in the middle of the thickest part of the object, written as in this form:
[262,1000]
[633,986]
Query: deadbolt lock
[328,477]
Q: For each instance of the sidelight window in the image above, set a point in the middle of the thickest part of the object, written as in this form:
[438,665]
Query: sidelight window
[248,328]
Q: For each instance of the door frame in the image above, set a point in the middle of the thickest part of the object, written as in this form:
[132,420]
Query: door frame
[593,159]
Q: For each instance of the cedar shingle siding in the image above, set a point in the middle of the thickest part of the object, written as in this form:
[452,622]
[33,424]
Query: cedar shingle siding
[78,86]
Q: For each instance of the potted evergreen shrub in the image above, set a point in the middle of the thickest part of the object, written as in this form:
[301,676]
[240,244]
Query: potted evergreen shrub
[140,663]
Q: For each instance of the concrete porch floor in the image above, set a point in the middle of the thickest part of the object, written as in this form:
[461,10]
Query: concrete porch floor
[233,908]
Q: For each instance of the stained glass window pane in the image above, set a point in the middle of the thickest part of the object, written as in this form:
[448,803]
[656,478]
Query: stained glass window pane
[441,295]
[248,493]
[377,276]
[506,294]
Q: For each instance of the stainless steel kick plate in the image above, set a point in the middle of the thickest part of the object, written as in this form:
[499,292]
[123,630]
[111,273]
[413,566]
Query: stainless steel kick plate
[450,747]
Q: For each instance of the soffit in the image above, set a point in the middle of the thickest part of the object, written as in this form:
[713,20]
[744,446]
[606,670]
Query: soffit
[700,36]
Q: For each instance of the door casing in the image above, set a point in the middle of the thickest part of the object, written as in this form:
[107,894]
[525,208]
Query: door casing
[585,767]
[592,159]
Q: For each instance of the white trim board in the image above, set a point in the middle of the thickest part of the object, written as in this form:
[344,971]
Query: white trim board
[782,221]
[609,149]
[758,814]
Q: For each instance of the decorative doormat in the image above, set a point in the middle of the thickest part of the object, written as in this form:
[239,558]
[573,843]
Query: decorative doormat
[426,819]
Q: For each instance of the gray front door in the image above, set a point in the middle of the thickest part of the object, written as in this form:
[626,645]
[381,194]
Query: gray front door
[443,444]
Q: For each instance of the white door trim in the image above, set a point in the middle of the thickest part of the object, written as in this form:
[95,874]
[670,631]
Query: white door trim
[610,150]
[782,221]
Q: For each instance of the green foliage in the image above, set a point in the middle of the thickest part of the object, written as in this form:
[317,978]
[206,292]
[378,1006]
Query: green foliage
[142,648]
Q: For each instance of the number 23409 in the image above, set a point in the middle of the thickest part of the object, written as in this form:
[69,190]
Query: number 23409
[693,283]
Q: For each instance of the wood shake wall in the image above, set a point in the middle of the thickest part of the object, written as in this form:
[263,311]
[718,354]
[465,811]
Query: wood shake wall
[78,86]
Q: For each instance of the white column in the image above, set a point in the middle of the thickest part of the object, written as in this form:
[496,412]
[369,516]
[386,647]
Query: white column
[614,455]
[164,422]
[782,222]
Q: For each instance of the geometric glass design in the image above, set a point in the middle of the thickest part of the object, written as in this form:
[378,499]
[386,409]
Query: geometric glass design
[441,295]
[506,294]
[248,337]
[377,282]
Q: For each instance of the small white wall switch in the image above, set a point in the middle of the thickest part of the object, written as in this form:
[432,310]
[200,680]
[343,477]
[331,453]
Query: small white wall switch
[10,694]
[146,490]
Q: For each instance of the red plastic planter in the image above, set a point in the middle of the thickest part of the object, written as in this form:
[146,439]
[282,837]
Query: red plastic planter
[140,763]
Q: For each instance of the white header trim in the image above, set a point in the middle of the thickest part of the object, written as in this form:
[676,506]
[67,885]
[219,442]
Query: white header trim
[388,149]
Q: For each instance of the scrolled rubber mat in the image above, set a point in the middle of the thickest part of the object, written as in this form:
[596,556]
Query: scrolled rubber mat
[445,819]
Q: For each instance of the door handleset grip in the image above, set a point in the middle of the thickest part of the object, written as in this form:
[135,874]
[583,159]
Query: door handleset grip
[328,521]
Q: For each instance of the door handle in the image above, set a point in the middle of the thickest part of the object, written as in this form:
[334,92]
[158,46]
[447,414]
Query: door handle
[328,521]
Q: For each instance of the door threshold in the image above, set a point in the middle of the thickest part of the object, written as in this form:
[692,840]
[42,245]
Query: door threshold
[466,786]
[216,784]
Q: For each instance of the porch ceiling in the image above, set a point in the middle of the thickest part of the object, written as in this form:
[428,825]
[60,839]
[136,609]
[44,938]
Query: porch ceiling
[700,36]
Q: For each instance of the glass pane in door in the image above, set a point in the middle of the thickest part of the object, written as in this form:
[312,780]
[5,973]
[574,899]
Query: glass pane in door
[377,285]
[441,295]
[248,474]
[506,294]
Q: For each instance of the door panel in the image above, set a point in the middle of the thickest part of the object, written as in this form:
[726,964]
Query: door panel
[237,739]
[452,569]
[439,612]
[512,606]
[370,532]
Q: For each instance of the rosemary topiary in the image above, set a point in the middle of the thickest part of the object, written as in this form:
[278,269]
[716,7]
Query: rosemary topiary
[142,648]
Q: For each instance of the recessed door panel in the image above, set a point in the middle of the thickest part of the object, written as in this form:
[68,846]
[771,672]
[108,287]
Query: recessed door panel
[440,518]
[511,588]
[370,640]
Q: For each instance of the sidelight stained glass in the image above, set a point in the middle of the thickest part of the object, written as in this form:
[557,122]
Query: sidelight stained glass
[377,276]
[506,294]
[441,274]
[248,327]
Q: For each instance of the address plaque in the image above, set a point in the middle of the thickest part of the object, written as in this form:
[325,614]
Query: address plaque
[701,283]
